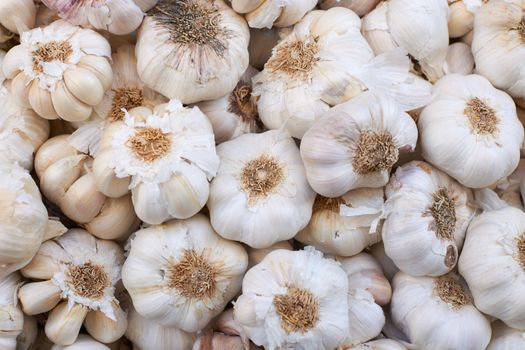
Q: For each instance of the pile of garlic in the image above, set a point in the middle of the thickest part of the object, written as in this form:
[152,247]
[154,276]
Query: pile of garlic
[262,174]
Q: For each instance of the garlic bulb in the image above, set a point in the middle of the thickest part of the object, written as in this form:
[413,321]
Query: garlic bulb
[461,16]
[505,338]
[22,131]
[388,266]
[260,180]
[83,342]
[67,179]
[459,59]
[360,7]
[165,155]
[380,344]
[355,144]
[235,113]
[471,130]
[419,26]
[510,189]
[325,61]
[255,256]
[17,16]
[294,300]
[118,17]
[345,225]
[437,313]
[60,71]
[492,262]
[182,274]
[427,217]
[77,275]
[268,13]
[11,316]
[261,43]
[191,60]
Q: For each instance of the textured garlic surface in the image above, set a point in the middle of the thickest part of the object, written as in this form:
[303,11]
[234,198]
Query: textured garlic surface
[76,274]
[294,299]
[506,338]
[361,7]
[459,59]
[182,274]
[261,180]
[268,13]
[11,315]
[355,144]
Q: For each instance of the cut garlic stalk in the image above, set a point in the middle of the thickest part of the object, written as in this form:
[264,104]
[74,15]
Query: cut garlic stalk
[11,316]
[268,13]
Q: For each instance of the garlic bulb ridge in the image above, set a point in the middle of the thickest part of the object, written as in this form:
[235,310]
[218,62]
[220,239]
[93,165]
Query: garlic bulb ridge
[268,13]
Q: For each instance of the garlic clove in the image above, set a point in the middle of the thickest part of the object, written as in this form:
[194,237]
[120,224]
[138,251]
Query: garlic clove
[459,59]
[54,228]
[106,180]
[51,151]
[43,266]
[265,15]
[57,178]
[20,86]
[245,6]
[82,201]
[100,67]
[39,297]
[67,106]
[116,219]
[40,101]
[126,16]
[375,29]
[63,323]
[18,16]
[84,85]
[460,20]
[146,201]
[103,328]
[11,64]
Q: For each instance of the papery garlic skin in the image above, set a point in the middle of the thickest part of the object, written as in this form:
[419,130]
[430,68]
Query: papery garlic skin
[459,59]
[83,342]
[471,131]
[268,13]
[17,16]
[355,144]
[77,274]
[192,60]
[505,338]
[60,71]
[11,316]
[360,7]
[380,344]
[461,16]
[286,278]
[261,179]
[492,264]
[182,274]
[164,155]
[437,313]
[345,225]
[427,215]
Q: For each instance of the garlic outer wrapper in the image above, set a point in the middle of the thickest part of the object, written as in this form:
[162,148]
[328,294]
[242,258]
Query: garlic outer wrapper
[268,13]
[345,225]
[471,131]
[60,71]
[83,342]
[261,179]
[268,308]
[17,16]
[355,144]
[361,7]
[505,338]
[182,274]
[461,16]
[11,316]
[455,322]
[459,59]
[255,256]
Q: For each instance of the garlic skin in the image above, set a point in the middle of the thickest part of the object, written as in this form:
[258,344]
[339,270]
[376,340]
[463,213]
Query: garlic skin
[427,215]
[116,16]
[255,256]
[459,59]
[163,155]
[192,60]
[268,13]
[380,344]
[11,316]
[510,189]
[219,341]
[60,70]
[261,179]
[454,323]
[182,274]
[272,291]
[17,16]
[83,342]
[235,113]
[492,263]
[360,7]
[77,275]
[323,62]
[27,339]
[370,130]
[471,131]
[424,36]
[345,225]
[505,338]
[461,16]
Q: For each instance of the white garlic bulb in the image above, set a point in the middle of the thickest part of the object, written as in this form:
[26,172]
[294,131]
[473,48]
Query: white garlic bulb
[17,16]
[294,300]
[355,144]
[427,217]
[268,13]
[325,61]
[11,316]
[77,275]
[182,274]
[116,16]
[437,313]
[83,342]
[461,16]
[255,256]
[380,344]
[419,26]
[60,71]
[493,264]
[235,113]
[360,7]
[505,338]
[261,179]
[191,60]
[165,155]
[459,59]
[471,130]
[345,225]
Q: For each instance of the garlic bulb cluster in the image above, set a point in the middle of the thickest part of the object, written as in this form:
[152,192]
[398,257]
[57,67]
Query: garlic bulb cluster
[11,316]
[165,155]
[83,342]
[118,17]
[459,59]
[192,60]
[67,179]
[461,16]
[471,131]
[419,26]
[345,225]
[427,217]
[60,71]
[16,17]
[437,313]
[182,274]
[77,275]
[355,144]
[505,338]
[360,7]
[268,13]
[261,180]
[294,300]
